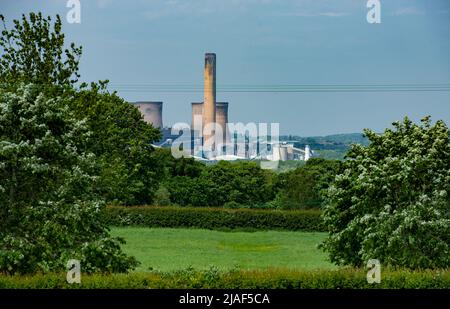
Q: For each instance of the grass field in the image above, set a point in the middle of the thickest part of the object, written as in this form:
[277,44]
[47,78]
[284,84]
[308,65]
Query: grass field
[167,249]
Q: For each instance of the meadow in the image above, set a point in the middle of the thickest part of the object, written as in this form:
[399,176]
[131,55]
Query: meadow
[169,249]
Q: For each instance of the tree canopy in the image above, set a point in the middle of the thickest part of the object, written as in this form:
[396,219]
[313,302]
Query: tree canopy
[33,51]
[304,186]
[64,152]
[50,212]
[392,200]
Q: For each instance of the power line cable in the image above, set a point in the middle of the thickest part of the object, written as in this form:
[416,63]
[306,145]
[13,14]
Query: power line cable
[294,88]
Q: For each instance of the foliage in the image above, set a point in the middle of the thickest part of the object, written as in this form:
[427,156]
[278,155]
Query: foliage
[392,200]
[172,167]
[162,197]
[238,279]
[304,186]
[129,173]
[243,183]
[214,218]
[289,165]
[50,212]
[33,52]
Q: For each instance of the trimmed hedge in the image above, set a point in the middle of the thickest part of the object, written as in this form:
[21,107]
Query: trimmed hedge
[256,279]
[215,218]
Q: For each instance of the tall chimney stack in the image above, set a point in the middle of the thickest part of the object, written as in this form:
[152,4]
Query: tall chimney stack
[209,105]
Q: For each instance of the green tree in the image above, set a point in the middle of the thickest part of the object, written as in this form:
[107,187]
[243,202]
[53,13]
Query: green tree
[62,152]
[243,183]
[162,196]
[50,212]
[304,187]
[187,191]
[33,51]
[130,173]
[392,200]
[177,167]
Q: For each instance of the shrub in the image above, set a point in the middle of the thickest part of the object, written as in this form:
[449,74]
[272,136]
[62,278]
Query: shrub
[215,185]
[162,196]
[392,200]
[303,187]
[214,218]
[49,212]
[237,279]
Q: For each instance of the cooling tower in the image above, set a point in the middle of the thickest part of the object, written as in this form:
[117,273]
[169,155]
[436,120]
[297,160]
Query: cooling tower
[221,116]
[197,114]
[209,106]
[152,112]
[222,119]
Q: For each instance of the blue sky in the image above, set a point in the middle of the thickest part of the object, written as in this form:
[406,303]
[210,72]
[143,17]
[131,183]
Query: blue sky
[268,42]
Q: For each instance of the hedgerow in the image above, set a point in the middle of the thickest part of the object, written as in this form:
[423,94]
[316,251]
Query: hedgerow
[214,218]
[238,279]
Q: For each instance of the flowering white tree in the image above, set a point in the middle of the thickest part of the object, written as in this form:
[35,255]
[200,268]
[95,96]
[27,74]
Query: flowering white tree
[392,200]
[48,209]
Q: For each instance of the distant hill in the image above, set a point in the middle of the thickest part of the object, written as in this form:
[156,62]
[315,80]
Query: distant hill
[329,147]
[351,138]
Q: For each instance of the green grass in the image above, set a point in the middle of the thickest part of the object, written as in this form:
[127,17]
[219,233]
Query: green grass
[167,249]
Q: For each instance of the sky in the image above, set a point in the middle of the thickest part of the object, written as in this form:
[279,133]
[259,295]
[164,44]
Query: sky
[267,42]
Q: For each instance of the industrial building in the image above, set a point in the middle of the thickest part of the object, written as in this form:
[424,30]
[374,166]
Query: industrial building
[209,121]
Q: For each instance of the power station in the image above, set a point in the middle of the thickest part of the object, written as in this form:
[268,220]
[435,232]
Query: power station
[209,128]
[221,117]
[209,101]
[152,112]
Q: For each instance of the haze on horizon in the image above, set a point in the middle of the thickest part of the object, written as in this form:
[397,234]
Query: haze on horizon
[266,42]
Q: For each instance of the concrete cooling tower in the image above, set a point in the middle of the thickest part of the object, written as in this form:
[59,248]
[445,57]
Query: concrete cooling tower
[152,112]
[197,115]
[221,117]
